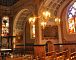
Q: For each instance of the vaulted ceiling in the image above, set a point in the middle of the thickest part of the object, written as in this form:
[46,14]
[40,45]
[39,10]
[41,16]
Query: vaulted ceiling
[55,5]
[8,2]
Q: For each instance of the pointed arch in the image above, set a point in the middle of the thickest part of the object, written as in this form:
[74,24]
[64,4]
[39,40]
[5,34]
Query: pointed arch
[16,20]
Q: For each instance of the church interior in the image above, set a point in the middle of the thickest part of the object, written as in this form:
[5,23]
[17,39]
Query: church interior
[37,29]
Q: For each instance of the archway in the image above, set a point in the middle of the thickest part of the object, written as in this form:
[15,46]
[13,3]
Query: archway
[21,26]
[17,20]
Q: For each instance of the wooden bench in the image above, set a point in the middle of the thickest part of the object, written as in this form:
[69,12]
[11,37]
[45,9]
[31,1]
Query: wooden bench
[73,56]
[64,55]
[50,55]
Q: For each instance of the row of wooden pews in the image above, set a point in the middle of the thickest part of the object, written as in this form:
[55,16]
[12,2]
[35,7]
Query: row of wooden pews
[43,52]
[64,55]
[53,55]
[73,56]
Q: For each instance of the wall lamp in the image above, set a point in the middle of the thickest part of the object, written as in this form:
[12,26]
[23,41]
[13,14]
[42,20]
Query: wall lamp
[45,17]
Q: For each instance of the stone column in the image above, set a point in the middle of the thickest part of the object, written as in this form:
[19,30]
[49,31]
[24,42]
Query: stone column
[37,32]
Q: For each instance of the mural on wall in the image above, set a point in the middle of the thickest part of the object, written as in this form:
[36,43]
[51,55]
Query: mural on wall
[50,32]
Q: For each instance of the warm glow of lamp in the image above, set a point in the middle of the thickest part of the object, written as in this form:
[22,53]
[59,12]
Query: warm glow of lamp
[45,17]
[5,18]
[32,19]
[46,14]
[57,20]
[43,24]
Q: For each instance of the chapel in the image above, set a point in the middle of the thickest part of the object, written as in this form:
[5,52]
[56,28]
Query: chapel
[37,29]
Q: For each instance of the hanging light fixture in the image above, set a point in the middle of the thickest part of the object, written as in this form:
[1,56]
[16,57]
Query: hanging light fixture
[46,14]
[45,17]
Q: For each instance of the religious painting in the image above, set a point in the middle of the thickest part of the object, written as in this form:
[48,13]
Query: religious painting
[50,32]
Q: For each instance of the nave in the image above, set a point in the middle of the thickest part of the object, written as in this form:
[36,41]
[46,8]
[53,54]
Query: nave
[37,29]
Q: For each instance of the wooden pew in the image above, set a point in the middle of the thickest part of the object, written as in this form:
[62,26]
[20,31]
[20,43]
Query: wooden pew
[55,56]
[50,55]
[59,56]
[73,56]
[64,55]
[47,56]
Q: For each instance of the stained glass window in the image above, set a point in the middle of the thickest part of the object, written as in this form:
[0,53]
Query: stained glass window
[5,26]
[72,18]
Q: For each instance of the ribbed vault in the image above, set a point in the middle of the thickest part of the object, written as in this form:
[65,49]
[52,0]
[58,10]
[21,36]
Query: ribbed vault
[55,6]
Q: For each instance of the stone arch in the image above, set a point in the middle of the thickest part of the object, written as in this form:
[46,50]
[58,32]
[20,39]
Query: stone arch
[22,14]
[15,21]
[18,25]
[20,22]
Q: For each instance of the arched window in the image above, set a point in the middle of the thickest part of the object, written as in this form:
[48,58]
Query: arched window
[72,18]
[5,26]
